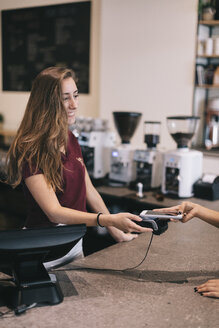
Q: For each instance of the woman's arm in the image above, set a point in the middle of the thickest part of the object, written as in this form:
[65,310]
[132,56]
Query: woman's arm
[47,200]
[96,203]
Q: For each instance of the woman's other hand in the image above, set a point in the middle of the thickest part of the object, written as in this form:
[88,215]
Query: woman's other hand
[120,236]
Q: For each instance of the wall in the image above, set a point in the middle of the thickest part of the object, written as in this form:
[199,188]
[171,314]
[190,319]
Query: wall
[142,59]
[147,60]
[211,165]
[13,103]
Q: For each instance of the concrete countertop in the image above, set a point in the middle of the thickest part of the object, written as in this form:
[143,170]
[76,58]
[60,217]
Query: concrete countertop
[157,294]
[149,198]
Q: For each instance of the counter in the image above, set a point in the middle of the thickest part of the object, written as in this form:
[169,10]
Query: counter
[149,200]
[157,294]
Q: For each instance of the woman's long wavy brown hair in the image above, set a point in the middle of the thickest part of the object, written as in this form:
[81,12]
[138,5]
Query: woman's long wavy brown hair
[43,130]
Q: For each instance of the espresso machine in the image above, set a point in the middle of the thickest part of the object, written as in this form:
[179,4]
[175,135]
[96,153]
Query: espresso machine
[182,167]
[96,142]
[149,161]
[123,166]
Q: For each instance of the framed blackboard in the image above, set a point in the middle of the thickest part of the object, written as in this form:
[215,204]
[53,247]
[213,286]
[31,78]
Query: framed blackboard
[38,37]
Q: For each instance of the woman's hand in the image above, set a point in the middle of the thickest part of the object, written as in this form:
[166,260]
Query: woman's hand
[124,222]
[209,288]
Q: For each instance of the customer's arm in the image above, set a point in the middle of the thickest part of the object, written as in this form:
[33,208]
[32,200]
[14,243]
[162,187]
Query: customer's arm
[191,210]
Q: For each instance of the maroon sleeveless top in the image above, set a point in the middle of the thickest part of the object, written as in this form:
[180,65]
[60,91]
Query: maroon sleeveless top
[74,188]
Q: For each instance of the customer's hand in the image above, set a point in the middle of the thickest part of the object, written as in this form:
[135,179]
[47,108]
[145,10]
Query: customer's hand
[188,209]
[209,288]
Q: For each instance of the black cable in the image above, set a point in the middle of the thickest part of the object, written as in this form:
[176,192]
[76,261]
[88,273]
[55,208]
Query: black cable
[136,266]
[17,311]
[103,269]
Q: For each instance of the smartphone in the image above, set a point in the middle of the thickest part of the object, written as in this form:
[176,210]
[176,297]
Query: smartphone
[148,214]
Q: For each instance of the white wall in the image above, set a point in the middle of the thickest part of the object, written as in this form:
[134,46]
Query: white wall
[13,103]
[211,165]
[142,59]
[147,60]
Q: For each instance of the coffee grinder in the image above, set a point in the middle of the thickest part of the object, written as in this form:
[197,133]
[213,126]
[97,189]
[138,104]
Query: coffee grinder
[182,167]
[149,161]
[122,166]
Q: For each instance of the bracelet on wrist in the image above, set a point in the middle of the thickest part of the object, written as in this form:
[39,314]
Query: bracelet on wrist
[98,222]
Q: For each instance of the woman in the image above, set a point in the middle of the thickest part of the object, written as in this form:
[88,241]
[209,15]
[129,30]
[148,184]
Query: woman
[191,210]
[46,158]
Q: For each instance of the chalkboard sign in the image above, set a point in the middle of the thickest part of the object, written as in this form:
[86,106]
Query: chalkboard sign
[38,37]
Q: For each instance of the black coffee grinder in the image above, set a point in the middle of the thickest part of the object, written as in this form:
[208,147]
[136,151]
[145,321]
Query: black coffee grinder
[149,161]
[122,166]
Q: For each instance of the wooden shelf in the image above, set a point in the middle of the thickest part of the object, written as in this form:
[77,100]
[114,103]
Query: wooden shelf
[208,86]
[209,29]
[214,152]
[7,133]
[209,22]
[206,56]
[6,137]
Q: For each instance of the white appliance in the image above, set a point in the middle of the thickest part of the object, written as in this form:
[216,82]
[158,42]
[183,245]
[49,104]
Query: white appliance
[148,168]
[182,167]
[123,167]
[96,149]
